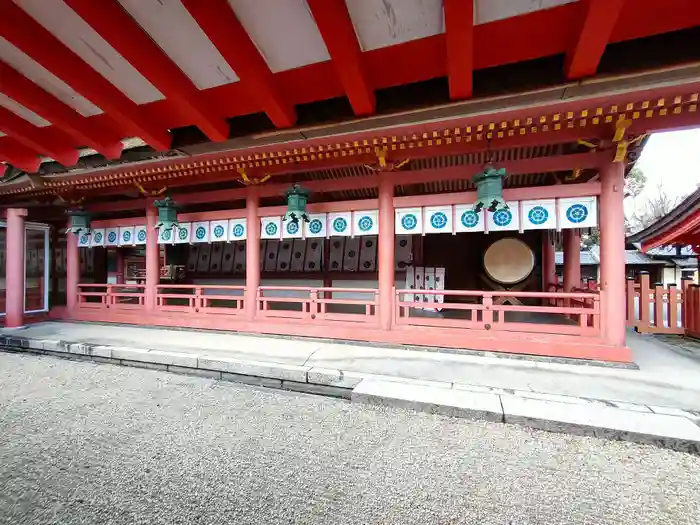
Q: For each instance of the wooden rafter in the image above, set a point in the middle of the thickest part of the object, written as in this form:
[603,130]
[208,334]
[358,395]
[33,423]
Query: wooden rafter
[334,23]
[59,147]
[459,29]
[597,28]
[62,116]
[231,39]
[23,32]
[114,24]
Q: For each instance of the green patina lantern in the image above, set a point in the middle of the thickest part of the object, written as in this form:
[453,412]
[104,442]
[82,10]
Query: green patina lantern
[297,197]
[167,214]
[79,222]
[489,189]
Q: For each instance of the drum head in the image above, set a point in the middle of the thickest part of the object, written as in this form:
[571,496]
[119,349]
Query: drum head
[509,261]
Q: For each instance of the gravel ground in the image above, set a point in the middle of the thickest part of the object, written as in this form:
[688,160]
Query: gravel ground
[87,443]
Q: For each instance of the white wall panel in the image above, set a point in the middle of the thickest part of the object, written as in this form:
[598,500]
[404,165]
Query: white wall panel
[504,220]
[218,231]
[317,225]
[408,221]
[172,27]
[382,23]
[84,41]
[270,227]
[539,214]
[578,212]
[237,230]
[365,222]
[200,231]
[284,32]
[140,234]
[340,224]
[41,76]
[437,219]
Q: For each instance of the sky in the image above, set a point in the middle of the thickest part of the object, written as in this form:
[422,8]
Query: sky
[671,159]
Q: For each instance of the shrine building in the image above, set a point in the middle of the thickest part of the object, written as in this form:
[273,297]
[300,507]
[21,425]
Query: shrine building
[392,171]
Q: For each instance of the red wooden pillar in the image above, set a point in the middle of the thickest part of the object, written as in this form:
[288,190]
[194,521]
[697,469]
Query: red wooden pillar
[152,258]
[15,250]
[612,252]
[386,255]
[549,269]
[252,252]
[120,273]
[572,260]
[72,270]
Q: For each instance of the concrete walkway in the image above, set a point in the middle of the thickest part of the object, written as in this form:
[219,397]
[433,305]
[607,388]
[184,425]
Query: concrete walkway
[658,404]
[664,378]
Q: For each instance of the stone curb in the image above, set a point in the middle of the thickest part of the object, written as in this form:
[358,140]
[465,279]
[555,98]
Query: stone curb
[573,415]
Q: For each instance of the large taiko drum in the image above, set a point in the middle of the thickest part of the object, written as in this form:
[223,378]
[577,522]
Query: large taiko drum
[509,261]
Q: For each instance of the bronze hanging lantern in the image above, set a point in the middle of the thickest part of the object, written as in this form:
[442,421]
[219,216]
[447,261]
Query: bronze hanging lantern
[167,214]
[297,197]
[489,189]
[79,222]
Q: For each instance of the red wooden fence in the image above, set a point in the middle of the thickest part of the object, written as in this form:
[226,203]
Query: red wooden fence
[653,308]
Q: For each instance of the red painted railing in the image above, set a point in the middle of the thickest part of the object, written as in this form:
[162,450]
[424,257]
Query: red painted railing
[111,296]
[301,302]
[654,308]
[204,299]
[477,310]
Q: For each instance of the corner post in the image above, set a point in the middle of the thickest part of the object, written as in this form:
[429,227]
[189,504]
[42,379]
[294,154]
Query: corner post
[14,267]
[572,260]
[72,270]
[152,258]
[252,252]
[548,263]
[612,252]
[386,253]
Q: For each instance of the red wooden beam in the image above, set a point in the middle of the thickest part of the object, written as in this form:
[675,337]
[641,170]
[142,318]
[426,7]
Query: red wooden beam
[226,32]
[536,165]
[459,29]
[117,27]
[22,31]
[30,95]
[18,155]
[335,25]
[59,148]
[600,19]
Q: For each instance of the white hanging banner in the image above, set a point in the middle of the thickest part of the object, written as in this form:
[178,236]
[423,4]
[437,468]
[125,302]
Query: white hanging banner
[467,220]
[140,234]
[126,236]
[578,212]
[539,215]
[112,238]
[200,231]
[437,219]
[84,240]
[182,235]
[218,231]
[316,227]
[340,224]
[97,238]
[365,222]
[237,230]
[166,236]
[270,227]
[504,220]
[408,221]
[291,229]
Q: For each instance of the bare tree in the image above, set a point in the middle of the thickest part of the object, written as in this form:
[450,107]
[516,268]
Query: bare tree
[656,207]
